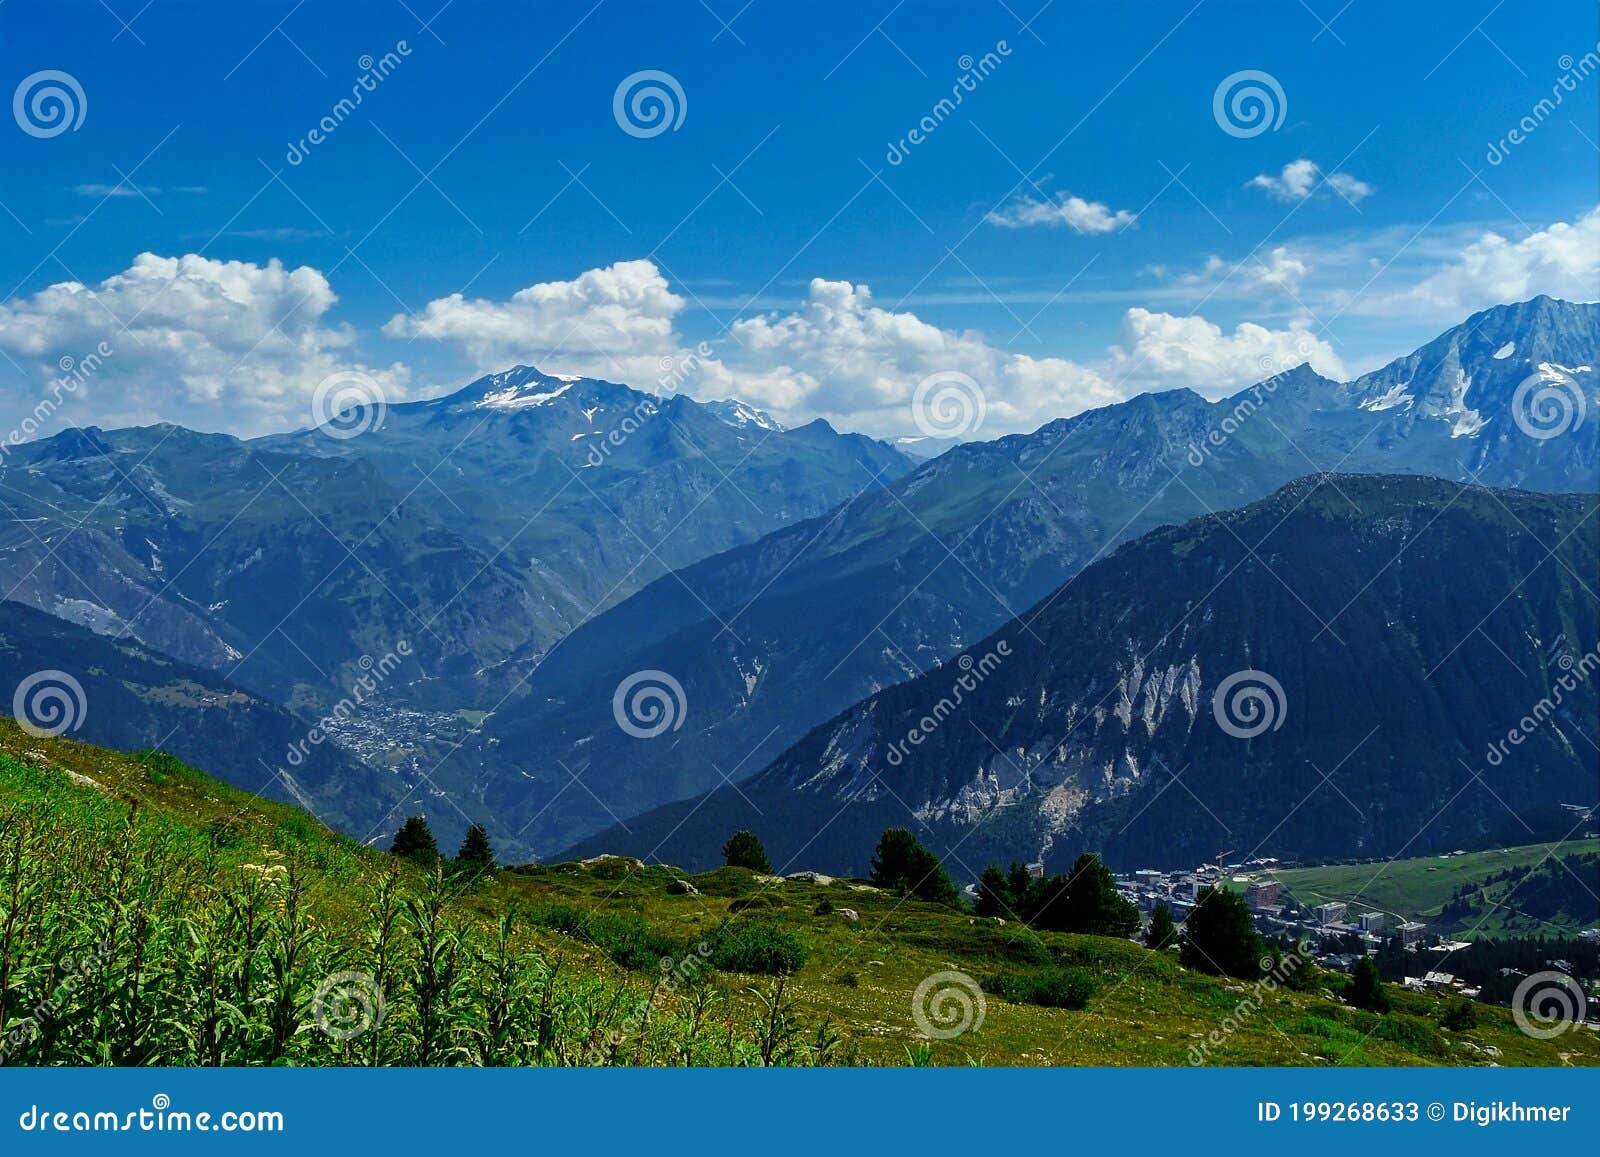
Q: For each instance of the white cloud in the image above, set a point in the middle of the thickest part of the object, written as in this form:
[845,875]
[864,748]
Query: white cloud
[1562,260]
[1281,268]
[1299,179]
[616,321]
[98,190]
[840,356]
[1352,188]
[214,345]
[1161,350]
[1062,209]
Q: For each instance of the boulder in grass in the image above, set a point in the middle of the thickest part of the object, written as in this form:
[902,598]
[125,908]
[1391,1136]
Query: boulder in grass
[810,878]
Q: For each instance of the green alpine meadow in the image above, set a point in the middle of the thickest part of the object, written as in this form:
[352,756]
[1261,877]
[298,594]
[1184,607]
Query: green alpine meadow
[150,915]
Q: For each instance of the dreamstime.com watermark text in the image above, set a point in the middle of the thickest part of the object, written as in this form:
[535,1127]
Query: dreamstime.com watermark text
[159,1117]
[973,672]
[373,675]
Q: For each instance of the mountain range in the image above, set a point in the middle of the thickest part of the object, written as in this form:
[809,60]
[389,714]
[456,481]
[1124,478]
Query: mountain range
[1312,676]
[129,697]
[770,639]
[541,542]
[479,527]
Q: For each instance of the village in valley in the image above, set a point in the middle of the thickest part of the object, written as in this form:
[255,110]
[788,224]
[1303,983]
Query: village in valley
[1340,932]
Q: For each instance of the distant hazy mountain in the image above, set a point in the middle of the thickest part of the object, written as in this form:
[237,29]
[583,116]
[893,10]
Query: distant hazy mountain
[1402,625]
[278,570]
[479,527]
[770,639]
[134,698]
[588,490]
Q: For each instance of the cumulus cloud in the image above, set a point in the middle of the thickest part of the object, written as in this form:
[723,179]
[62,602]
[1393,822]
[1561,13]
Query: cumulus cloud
[1062,209]
[843,357]
[1562,260]
[1165,348]
[616,321]
[214,345]
[1301,178]
[242,347]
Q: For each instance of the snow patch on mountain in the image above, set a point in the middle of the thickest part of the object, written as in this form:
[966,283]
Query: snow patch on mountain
[1465,422]
[1396,395]
[515,398]
[740,416]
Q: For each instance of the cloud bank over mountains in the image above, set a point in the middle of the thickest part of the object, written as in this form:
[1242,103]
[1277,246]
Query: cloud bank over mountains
[241,347]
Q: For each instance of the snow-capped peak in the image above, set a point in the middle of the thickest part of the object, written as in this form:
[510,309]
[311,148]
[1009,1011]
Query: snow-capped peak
[737,414]
[519,388]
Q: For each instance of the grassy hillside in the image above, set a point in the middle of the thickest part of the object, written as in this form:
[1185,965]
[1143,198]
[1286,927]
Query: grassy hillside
[1419,888]
[150,915]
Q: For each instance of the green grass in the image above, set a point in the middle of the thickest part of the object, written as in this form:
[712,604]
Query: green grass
[223,914]
[1418,888]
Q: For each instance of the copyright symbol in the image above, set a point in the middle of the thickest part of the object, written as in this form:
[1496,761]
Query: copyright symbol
[1436,1112]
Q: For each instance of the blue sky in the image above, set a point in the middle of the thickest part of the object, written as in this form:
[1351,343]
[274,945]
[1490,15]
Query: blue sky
[1081,227]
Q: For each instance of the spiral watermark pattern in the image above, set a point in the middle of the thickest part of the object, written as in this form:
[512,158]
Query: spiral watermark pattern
[648,103]
[49,103]
[347,1005]
[1547,1004]
[1248,103]
[1248,703]
[49,703]
[649,703]
[1547,404]
[348,404]
[948,1004]
[948,404]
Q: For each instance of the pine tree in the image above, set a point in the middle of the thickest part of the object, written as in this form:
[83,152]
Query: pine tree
[1084,900]
[1161,933]
[414,841]
[1021,883]
[1366,987]
[744,850]
[1220,937]
[994,893]
[476,854]
[903,865]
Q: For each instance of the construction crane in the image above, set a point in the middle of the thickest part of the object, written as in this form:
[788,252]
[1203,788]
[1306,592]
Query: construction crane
[1221,856]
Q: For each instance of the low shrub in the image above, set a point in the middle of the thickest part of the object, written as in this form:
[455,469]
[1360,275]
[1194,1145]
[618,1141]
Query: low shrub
[1046,987]
[1410,1032]
[755,903]
[626,937]
[758,947]
[564,918]
[727,882]
[1461,1016]
[630,941]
